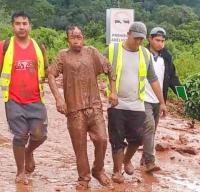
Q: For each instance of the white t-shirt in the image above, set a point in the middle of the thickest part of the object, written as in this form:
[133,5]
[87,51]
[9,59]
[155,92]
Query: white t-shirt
[159,68]
[128,90]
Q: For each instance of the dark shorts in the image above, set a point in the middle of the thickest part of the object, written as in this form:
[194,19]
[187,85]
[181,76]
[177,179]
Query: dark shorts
[125,124]
[27,120]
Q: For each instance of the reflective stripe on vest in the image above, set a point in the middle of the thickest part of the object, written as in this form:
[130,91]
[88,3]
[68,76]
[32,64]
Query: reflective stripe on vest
[143,54]
[7,68]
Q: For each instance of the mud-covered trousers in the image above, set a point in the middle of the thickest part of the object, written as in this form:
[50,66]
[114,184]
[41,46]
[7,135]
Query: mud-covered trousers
[80,123]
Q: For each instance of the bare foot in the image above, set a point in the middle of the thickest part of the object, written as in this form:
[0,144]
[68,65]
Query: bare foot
[29,162]
[151,167]
[82,185]
[21,178]
[128,168]
[103,179]
[118,178]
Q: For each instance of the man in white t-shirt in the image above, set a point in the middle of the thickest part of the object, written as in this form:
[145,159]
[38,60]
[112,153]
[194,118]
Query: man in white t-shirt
[166,73]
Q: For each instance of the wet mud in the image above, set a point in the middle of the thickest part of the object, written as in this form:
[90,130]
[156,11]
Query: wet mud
[177,153]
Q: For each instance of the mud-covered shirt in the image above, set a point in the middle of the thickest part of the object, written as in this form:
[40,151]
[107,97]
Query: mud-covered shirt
[80,71]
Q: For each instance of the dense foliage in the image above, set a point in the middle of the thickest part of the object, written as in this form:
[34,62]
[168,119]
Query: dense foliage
[180,18]
[192,105]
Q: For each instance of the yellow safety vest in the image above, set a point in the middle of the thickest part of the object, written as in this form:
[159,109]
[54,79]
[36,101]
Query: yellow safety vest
[118,67]
[7,68]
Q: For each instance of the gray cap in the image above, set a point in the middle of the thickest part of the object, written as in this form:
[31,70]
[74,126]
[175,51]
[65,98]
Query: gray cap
[158,31]
[138,29]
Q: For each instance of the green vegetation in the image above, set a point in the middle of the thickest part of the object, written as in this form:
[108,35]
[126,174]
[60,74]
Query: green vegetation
[192,105]
[180,18]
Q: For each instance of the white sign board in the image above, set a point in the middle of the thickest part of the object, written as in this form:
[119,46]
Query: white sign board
[117,24]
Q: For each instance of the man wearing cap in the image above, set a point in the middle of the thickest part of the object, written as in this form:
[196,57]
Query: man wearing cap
[132,65]
[166,73]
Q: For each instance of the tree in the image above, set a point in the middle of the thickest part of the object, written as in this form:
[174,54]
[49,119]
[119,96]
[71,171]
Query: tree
[176,15]
[39,10]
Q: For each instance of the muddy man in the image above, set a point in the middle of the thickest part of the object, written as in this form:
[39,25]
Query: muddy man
[80,66]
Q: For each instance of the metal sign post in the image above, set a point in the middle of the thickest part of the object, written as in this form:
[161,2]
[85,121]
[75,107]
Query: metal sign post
[117,24]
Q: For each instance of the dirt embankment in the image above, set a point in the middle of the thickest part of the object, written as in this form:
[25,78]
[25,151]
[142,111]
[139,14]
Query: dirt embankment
[178,154]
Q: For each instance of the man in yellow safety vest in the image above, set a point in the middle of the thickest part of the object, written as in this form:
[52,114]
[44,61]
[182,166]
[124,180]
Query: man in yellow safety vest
[22,71]
[132,65]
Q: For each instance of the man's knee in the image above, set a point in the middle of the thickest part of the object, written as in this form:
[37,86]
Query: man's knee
[100,139]
[118,146]
[39,134]
[38,138]
[149,127]
[20,142]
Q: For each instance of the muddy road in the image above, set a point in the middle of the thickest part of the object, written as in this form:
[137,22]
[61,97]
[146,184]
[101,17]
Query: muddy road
[178,154]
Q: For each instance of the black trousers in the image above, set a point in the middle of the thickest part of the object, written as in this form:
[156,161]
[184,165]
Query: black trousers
[125,126]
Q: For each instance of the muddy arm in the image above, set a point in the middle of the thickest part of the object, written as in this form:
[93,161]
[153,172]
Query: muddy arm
[157,90]
[46,61]
[113,99]
[60,103]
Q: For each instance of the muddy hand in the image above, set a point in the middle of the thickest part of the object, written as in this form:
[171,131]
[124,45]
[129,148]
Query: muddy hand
[43,48]
[113,99]
[61,106]
[163,110]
